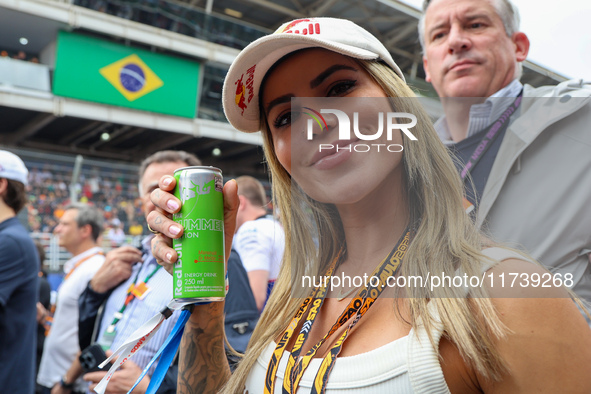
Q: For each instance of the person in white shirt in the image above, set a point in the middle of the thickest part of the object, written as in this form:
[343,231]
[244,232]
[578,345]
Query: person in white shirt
[78,231]
[125,268]
[259,239]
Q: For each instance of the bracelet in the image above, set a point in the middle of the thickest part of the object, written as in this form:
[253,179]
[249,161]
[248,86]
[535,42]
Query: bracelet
[65,385]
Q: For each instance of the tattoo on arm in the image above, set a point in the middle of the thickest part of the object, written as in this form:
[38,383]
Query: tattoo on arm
[203,367]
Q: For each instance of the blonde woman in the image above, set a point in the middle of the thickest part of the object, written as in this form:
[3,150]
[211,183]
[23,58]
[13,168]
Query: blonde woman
[347,212]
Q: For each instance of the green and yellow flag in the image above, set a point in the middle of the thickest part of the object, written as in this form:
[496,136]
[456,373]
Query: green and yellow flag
[97,70]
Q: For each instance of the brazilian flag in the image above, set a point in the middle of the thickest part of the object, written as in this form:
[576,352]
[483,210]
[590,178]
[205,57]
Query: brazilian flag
[96,70]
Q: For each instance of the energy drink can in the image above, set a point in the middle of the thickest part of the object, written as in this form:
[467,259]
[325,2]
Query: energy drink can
[199,273]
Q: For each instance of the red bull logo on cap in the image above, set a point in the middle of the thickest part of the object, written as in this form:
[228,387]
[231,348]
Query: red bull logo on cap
[241,98]
[309,29]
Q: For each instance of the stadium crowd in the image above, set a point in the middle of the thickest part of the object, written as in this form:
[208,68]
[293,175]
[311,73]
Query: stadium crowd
[19,55]
[179,18]
[111,191]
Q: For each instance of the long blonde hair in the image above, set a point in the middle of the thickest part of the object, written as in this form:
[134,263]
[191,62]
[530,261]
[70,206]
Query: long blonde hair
[445,241]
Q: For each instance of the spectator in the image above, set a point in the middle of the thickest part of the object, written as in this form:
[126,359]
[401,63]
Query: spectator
[259,239]
[532,184]
[135,229]
[19,267]
[240,307]
[21,55]
[124,267]
[79,229]
[43,306]
[115,235]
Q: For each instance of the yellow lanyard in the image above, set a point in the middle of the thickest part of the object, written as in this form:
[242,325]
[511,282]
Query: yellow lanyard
[358,306]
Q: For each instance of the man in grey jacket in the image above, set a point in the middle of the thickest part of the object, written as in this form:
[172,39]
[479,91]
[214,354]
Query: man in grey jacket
[526,149]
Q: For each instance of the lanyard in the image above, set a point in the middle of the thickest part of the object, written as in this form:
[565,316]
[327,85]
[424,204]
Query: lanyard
[165,354]
[49,319]
[130,296]
[494,130]
[82,261]
[358,306]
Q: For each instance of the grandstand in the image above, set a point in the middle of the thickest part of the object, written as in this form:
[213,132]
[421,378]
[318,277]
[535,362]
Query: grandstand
[61,92]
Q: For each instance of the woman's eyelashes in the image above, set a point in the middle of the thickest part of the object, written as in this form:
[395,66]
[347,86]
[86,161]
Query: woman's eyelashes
[285,118]
[336,89]
[341,88]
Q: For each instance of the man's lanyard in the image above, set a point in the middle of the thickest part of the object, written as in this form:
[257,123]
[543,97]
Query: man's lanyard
[133,291]
[49,318]
[491,133]
[82,261]
[494,130]
[358,306]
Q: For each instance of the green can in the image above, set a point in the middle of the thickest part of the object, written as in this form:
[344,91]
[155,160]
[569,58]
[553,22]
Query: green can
[200,271]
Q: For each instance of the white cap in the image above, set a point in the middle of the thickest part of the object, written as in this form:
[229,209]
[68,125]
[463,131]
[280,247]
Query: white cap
[12,167]
[241,86]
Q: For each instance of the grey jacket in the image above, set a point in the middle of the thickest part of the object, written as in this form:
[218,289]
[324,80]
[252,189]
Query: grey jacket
[538,194]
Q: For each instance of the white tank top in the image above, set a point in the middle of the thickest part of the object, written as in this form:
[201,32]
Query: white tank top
[408,365]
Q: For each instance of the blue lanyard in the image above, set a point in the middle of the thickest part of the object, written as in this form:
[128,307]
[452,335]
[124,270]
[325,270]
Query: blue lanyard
[167,350]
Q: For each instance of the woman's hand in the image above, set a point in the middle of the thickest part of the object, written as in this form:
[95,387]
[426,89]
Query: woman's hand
[167,204]
[202,360]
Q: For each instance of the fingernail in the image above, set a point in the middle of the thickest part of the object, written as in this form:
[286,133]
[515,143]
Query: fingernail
[166,181]
[174,230]
[168,256]
[172,205]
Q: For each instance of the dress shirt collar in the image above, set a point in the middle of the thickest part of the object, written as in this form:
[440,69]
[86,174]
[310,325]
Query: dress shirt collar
[74,260]
[482,115]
